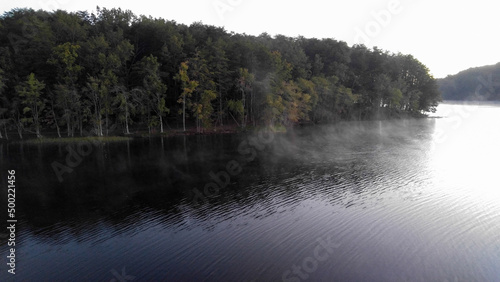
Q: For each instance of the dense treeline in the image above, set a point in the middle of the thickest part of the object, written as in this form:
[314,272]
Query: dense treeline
[72,73]
[474,84]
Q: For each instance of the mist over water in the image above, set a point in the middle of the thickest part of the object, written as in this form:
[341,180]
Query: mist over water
[402,200]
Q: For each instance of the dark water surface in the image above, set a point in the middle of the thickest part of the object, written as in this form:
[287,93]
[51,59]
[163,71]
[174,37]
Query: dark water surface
[408,200]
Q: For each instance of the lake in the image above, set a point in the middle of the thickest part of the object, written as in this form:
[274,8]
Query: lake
[402,200]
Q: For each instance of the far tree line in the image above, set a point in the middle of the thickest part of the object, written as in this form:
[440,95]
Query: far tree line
[75,72]
[474,84]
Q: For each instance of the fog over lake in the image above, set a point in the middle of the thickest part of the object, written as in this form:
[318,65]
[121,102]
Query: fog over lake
[392,200]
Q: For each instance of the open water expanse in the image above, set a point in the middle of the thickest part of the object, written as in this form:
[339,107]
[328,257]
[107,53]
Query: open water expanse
[402,200]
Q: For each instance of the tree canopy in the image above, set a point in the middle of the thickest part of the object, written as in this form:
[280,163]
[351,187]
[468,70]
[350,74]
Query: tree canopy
[80,71]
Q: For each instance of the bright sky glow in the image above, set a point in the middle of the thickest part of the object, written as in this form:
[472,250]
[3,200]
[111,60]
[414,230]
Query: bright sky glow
[447,36]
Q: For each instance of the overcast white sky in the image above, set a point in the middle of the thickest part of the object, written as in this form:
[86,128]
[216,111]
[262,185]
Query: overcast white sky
[447,36]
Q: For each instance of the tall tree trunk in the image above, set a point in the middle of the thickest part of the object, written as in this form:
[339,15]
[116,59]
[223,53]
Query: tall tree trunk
[55,122]
[68,123]
[19,126]
[220,109]
[184,113]
[58,131]
[35,120]
[99,125]
[81,125]
[243,98]
[126,121]
[161,123]
[107,128]
[251,108]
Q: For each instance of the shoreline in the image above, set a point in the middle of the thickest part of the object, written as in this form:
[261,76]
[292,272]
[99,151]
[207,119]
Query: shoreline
[52,138]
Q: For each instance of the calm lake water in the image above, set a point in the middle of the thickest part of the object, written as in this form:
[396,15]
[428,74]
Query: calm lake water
[407,200]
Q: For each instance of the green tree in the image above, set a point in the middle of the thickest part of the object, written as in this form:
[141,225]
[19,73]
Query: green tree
[30,93]
[274,105]
[422,93]
[244,84]
[323,101]
[124,105]
[52,117]
[67,98]
[286,103]
[94,91]
[154,88]
[92,65]
[107,72]
[202,110]
[188,87]
[213,66]
[298,103]
[209,85]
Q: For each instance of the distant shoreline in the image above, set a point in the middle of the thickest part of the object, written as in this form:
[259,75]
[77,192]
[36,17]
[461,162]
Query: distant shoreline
[469,102]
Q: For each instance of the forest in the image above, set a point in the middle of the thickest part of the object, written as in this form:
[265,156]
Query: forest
[113,72]
[474,84]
